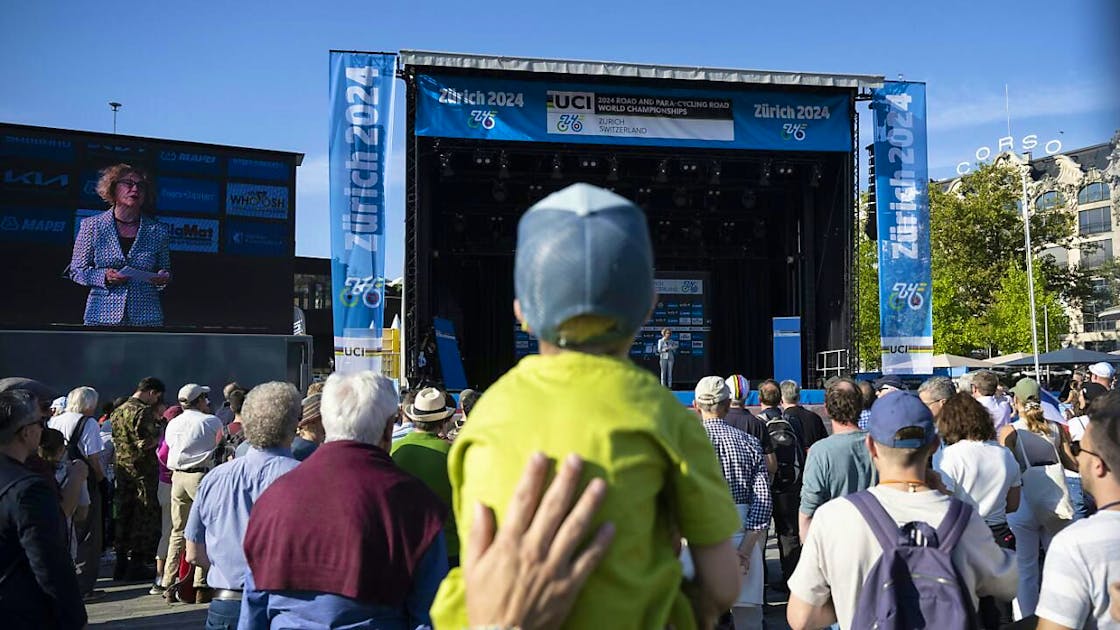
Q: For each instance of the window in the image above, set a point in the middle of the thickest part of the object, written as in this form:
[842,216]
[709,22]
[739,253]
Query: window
[1048,200]
[1095,220]
[1108,345]
[1059,254]
[1093,192]
[1096,253]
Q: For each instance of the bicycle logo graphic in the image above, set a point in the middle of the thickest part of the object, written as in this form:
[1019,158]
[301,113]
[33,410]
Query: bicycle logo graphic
[573,122]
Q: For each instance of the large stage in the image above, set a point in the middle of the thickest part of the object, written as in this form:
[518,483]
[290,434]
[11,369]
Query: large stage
[748,180]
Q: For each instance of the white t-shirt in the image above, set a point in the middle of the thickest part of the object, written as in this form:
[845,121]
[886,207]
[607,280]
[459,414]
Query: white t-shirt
[90,438]
[982,472]
[999,408]
[191,439]
[1076,428]
[1083,560]
[841,551]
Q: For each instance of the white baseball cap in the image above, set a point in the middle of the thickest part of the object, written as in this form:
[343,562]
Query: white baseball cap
[1102,369]
[191,391]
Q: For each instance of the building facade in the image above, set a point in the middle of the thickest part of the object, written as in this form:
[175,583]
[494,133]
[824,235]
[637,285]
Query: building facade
[1086,184]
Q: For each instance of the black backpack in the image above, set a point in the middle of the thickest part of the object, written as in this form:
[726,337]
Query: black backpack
[788,450]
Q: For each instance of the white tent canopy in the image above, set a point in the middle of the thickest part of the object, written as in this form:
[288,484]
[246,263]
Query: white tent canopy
[953,361]
[1007,358]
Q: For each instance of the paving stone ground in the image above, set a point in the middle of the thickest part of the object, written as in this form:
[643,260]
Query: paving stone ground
[128,605]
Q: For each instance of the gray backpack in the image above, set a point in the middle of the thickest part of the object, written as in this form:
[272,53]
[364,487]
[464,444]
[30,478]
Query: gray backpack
[914,584]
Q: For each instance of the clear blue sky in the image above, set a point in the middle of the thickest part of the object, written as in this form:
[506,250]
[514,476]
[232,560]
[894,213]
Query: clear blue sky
[255,73]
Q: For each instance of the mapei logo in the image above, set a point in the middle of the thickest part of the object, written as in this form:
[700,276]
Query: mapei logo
[909,294]
[571,101]
[794,131]
[485,118]
[14,224]
[35,179]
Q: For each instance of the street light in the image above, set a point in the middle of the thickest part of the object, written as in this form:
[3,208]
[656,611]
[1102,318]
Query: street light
[1030,264]
[114,106]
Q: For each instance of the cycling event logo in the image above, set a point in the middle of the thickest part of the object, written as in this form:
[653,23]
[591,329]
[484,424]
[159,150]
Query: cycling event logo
[794,131]
[910,294]
[569,122]
[367,290]
[485,118]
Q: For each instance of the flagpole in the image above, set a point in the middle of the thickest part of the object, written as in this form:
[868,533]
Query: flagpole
[1025,172]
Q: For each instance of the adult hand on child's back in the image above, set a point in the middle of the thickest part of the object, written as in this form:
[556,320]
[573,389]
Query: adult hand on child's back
[529,574]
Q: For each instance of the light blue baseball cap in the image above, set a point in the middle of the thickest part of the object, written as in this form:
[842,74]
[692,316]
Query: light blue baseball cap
[583,251]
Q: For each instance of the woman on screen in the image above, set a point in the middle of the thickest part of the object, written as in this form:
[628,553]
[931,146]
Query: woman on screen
[122,255]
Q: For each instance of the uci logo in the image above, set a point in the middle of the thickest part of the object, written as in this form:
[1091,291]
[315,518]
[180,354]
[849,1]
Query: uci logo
[571,101]
[795,131]
[902,349]
[481,118]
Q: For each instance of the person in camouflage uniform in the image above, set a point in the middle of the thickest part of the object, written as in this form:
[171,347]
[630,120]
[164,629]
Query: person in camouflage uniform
[136,432]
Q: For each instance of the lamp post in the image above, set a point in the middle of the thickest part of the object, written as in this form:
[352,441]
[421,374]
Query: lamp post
[1030,265]
[115,106]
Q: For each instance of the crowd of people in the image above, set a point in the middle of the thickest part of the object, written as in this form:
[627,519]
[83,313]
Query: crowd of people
[576,491]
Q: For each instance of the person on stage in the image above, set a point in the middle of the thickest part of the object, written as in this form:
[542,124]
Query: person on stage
[122,255]
[667,350]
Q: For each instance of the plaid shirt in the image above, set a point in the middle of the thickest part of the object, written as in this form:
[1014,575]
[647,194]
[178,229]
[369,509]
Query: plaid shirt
[864,419]
[744,468]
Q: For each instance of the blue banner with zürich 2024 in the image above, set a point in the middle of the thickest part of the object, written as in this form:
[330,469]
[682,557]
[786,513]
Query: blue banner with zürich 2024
[361,92]
[902,209]
[559,111]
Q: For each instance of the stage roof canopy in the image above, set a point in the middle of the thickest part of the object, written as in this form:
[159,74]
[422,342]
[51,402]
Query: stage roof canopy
[636,70]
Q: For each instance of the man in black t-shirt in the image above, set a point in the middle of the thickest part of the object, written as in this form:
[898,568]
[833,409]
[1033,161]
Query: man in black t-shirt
[812,427]
[747,422]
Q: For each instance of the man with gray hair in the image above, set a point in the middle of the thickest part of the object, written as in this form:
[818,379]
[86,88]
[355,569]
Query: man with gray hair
[220,514]
[812,427]
[346,535]
[935,391]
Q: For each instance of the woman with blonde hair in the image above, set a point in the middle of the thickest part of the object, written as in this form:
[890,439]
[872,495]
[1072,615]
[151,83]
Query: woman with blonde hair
[1042,450]
[121,254]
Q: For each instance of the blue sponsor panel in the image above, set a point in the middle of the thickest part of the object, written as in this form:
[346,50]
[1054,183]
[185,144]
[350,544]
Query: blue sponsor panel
[35,225]
[547,111]
[35,179]
[179,194]
[252,168]
[19,145]
[256,200]
[787,349]
[112,151]
[192,235]
[902,207]
[189,162]
[88,192]
[251,238]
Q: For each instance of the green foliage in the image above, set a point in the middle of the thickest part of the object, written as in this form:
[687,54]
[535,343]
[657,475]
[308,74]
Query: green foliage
[867,326]
[1009,318]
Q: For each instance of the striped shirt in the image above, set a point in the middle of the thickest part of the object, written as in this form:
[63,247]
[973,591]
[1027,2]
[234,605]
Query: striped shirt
[1082,561]
[744,468]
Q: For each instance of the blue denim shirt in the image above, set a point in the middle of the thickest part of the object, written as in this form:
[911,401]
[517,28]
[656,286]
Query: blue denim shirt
[306,609]
[220,514]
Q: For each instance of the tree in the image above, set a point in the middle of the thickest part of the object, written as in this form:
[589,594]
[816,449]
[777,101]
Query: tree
[978,250]
[1009,318]
[867,325]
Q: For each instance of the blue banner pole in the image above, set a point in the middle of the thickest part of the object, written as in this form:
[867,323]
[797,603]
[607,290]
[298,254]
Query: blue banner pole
[902,207]
[361,92]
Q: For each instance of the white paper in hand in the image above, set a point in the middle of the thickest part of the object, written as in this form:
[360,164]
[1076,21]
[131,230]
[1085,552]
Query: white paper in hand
[137,274]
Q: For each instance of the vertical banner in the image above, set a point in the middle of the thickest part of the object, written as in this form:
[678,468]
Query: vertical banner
[902,205]
[361,88]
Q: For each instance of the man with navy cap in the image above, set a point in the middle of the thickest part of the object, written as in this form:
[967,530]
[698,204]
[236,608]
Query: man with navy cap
[841,548]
